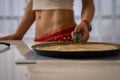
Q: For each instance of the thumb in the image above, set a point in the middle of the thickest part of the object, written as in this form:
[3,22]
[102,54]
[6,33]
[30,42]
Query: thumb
[73,35]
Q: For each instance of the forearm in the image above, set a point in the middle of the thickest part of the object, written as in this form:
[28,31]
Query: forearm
[27,21]
[86,18]
[88,10]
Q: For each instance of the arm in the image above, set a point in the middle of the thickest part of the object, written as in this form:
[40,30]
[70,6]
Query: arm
[87,14]
[87,10]
[27,21]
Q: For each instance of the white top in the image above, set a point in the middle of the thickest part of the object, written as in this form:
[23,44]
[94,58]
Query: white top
[52,4]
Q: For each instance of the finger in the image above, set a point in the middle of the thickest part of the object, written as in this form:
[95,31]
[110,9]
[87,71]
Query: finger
[77,29]
[85,36]
[73,35]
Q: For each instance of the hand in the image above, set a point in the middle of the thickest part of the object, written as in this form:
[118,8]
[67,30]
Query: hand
[83,29]
[10,37]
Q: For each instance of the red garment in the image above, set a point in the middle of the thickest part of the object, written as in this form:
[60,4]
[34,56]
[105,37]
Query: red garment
[60,36]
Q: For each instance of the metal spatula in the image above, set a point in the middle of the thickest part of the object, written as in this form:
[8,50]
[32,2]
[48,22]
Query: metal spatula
[77,36]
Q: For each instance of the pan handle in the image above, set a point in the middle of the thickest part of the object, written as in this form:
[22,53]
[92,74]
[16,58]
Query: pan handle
[4,43]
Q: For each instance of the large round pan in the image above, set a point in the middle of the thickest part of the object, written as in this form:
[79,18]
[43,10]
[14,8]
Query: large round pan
[74,54]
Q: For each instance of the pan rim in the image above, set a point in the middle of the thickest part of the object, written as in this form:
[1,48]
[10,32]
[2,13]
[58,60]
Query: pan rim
[65,43]
[76,54]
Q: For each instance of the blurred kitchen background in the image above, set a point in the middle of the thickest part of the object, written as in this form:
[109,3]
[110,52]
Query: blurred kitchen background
[106,22]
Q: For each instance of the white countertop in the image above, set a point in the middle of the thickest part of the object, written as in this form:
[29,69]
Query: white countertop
[53,69]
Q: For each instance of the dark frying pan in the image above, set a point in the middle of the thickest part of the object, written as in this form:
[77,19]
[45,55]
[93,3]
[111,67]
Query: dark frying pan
[75,54]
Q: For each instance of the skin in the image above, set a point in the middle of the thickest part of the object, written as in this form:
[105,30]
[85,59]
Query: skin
[51,21]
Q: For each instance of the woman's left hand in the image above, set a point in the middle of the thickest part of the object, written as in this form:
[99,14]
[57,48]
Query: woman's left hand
[83,29]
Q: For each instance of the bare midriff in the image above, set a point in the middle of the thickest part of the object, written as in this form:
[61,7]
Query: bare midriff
[51,21]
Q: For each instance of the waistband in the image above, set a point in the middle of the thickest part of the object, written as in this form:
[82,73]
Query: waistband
[62,35]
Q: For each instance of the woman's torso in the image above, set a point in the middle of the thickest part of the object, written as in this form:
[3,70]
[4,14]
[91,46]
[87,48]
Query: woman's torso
[59,16]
